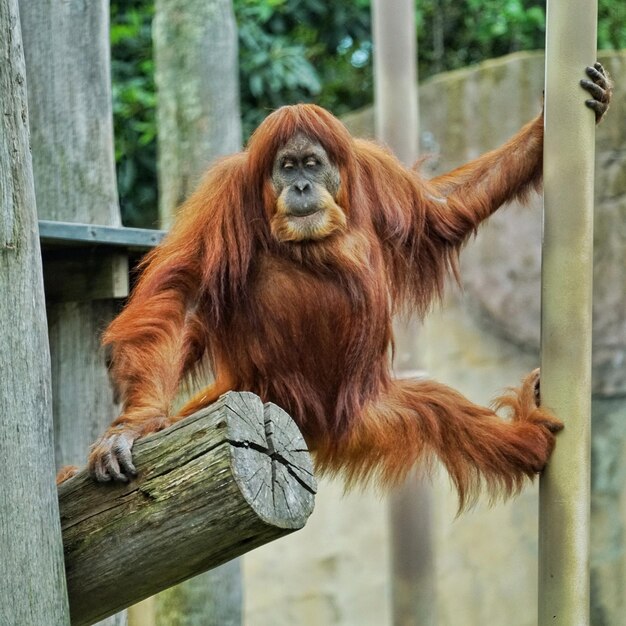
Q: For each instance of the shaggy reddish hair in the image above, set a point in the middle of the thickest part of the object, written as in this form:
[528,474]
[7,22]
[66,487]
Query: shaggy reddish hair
[307,324]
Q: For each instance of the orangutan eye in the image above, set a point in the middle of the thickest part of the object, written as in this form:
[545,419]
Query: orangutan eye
[311,162]
[288,164]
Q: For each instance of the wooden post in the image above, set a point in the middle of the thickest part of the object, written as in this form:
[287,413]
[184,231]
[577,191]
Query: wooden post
[197,79]
[221,482]
[397,125]
[566,313]
[67,51]
[72,139]
[33,586]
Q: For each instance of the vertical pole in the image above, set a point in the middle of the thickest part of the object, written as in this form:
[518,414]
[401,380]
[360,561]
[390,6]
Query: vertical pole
[397,125]
[566,313]
[67,50]
[395,76]
[196,66]
[33,589]
[198,117]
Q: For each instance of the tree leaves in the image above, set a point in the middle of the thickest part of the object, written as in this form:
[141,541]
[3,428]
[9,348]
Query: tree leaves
[310,50]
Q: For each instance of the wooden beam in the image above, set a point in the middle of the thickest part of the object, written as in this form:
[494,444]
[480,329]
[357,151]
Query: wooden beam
[85,275]
[218,484]
[70,235]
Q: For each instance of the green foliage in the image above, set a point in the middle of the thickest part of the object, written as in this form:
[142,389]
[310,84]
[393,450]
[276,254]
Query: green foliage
[612,24]
[303,51]
[454,34]
[310,50]
[134,107]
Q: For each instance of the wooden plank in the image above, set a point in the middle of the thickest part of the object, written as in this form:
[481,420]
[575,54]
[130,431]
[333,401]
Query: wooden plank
[70,234]
[218,484]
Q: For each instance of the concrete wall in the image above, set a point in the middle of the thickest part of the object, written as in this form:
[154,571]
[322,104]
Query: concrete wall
[336,571]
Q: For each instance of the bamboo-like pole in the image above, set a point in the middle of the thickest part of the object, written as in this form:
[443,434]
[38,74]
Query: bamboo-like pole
[395,76]
[397,126]
[566,313]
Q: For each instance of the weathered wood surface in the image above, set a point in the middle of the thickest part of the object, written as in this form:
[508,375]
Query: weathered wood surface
[214,486]
[197,77]
[33,587]
[196,73]
[67,52]
[67,63]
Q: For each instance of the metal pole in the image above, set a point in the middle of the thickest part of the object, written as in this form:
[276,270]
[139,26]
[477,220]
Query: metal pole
[566,313]
[410,510]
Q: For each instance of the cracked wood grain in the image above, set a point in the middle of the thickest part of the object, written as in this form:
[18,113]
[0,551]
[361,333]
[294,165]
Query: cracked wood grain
[221,482]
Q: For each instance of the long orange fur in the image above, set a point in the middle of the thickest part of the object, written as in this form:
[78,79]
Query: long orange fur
[307,324]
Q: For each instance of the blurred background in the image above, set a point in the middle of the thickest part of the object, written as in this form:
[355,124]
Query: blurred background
[308,51]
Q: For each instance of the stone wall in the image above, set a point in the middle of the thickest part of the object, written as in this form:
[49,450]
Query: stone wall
[482,340]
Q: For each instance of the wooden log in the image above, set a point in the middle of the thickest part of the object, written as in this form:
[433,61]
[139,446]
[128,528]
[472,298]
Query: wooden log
[220,483]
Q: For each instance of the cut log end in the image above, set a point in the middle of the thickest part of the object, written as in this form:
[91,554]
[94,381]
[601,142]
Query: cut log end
[272,465]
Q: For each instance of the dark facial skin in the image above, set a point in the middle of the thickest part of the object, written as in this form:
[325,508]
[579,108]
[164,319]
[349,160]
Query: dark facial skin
[302,172]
